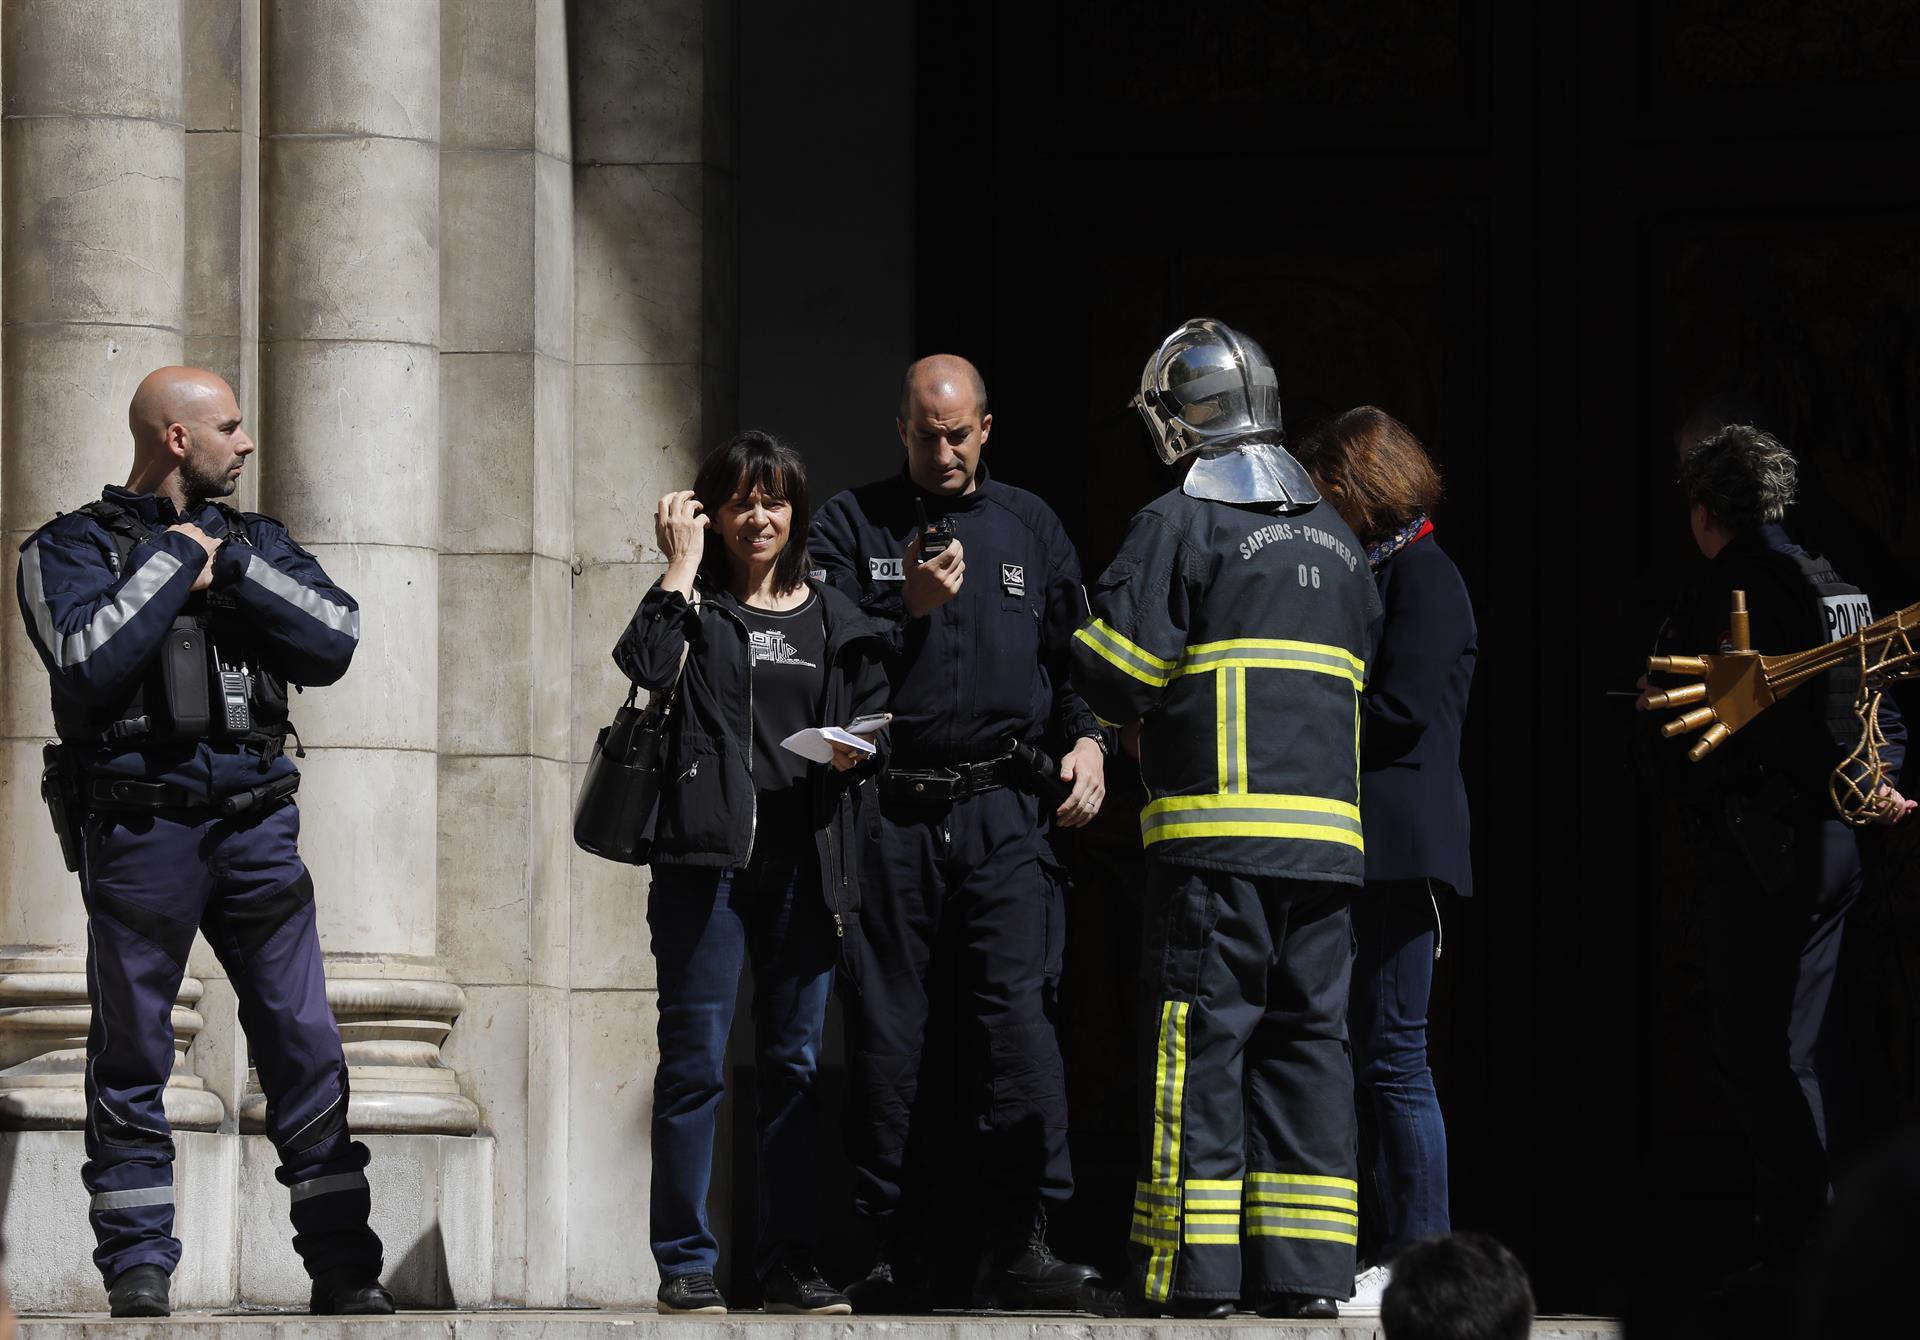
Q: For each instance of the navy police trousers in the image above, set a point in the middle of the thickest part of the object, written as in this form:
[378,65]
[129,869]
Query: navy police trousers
[1248,1184]
[150,881]
[974,877]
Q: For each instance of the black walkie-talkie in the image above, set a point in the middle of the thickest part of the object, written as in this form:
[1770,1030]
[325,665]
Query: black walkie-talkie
[935,536]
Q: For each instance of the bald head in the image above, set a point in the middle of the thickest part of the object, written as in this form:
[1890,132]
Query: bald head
[944,423]
[187,438]
[943,376]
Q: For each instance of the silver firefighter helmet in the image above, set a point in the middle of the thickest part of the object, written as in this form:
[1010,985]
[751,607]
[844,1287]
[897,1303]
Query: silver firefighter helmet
[1210,390]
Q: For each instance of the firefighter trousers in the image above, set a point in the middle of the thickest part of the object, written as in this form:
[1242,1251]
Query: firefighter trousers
[1247,1171]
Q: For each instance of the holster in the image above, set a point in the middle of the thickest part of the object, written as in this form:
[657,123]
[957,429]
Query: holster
[60,783]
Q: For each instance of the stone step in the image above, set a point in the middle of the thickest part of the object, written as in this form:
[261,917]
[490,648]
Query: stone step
[608,1325]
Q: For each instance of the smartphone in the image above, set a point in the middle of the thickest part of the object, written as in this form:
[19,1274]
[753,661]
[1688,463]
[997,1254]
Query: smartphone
[867,725]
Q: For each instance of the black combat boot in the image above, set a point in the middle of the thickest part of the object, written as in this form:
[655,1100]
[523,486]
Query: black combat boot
[140,1291]
[1025,1276]
[891,1289]
[1299,1305]
[350,1291]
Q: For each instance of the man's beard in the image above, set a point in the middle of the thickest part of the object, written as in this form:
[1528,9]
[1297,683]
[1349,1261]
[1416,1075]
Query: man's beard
[199,486]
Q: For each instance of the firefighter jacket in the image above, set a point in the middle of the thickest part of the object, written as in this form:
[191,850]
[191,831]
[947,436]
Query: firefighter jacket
[98,603]
[1239,638]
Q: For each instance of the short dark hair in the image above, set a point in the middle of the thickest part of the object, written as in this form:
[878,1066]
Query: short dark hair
[1373,470]
[1742,476]
[1462,1286]
[748,460]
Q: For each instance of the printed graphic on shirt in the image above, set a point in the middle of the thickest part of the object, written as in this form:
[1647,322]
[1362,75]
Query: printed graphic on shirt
[1013,576]
[773,647]
[885,570]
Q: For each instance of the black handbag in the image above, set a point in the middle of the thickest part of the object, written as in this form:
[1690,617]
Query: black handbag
[620,799]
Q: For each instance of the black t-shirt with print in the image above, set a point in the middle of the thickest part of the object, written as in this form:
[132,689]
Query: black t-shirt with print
[789,681]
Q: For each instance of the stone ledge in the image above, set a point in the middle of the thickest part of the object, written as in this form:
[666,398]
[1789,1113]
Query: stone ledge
[585,1325]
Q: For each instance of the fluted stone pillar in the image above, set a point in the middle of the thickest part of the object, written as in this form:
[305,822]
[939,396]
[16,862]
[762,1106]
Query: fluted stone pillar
[94,206]
[506,385]
[654,376]
[350,276]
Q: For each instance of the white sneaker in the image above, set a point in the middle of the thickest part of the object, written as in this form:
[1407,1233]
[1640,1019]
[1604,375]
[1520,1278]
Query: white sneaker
[1369,1286]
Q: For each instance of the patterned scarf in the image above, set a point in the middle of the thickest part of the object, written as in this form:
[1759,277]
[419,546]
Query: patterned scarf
[1418,528]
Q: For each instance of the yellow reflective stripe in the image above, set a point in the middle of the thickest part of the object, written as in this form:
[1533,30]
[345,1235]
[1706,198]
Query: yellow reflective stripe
[1240,730]
[1318,1234]
[1259,1199]
[1203,1184]
[1252,815]
[1303,1179]
[1203,650]
[1267,1214]
[1215,1219]
[1170,1079]
[1228,1239]
[1124,654]
[1260,801]
[1222,727]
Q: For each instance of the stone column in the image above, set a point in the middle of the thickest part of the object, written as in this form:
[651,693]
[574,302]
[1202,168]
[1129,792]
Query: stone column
[350,453]
[506,386]
[654,372]
[94,203]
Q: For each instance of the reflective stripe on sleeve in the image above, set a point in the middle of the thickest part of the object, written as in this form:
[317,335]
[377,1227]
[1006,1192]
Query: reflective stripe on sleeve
[1125,655]
[129,1199]
[303,598]
[73,648]
[327,1186]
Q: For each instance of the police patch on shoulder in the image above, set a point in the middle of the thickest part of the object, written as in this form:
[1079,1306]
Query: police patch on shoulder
[885,570]
[1013,576]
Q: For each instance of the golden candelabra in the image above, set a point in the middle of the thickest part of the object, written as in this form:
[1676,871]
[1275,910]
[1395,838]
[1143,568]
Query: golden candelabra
[1734,687]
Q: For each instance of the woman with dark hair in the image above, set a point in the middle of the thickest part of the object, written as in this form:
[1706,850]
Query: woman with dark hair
[751,852]
[1413,808]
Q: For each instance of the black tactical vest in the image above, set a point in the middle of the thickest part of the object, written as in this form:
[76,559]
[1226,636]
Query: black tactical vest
[180,697]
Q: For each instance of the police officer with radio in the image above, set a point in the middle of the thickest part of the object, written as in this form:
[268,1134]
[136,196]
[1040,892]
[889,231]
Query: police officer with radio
[979,589]
[170,625]
[1235,626]
[1784,870]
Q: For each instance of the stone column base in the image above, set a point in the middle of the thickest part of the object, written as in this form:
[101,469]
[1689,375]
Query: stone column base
[43,1216]
[432,1206]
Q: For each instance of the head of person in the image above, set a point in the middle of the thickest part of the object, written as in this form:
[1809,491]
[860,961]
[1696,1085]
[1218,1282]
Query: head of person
[187,432]
[1735,481]
[753,488]
[944,423]
[1208,388]
[1373,470]
[1461,1286]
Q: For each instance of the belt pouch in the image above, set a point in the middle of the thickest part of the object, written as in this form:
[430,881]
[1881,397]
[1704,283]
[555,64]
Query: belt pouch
[185,681]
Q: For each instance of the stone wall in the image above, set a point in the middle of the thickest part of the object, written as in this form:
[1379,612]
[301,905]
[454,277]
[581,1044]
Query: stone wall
[469,267]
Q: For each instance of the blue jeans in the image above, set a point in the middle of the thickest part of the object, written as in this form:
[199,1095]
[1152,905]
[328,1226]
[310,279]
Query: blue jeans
[706,925]
[1393,929]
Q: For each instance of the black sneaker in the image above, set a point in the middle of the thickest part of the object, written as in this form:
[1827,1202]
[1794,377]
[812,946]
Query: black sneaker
[140,1291]
[692,1292]
[350,1292]
[1301,1305]
[888,1292]
[797,1287]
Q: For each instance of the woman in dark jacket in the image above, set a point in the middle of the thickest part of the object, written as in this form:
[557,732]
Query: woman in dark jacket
[751,851]
[1413,808]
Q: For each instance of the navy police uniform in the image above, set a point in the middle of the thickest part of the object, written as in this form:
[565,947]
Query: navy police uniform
[958,849]
[180,819]
[1786,870]
[1240,639]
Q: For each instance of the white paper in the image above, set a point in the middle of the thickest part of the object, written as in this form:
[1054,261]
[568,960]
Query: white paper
[815,744]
